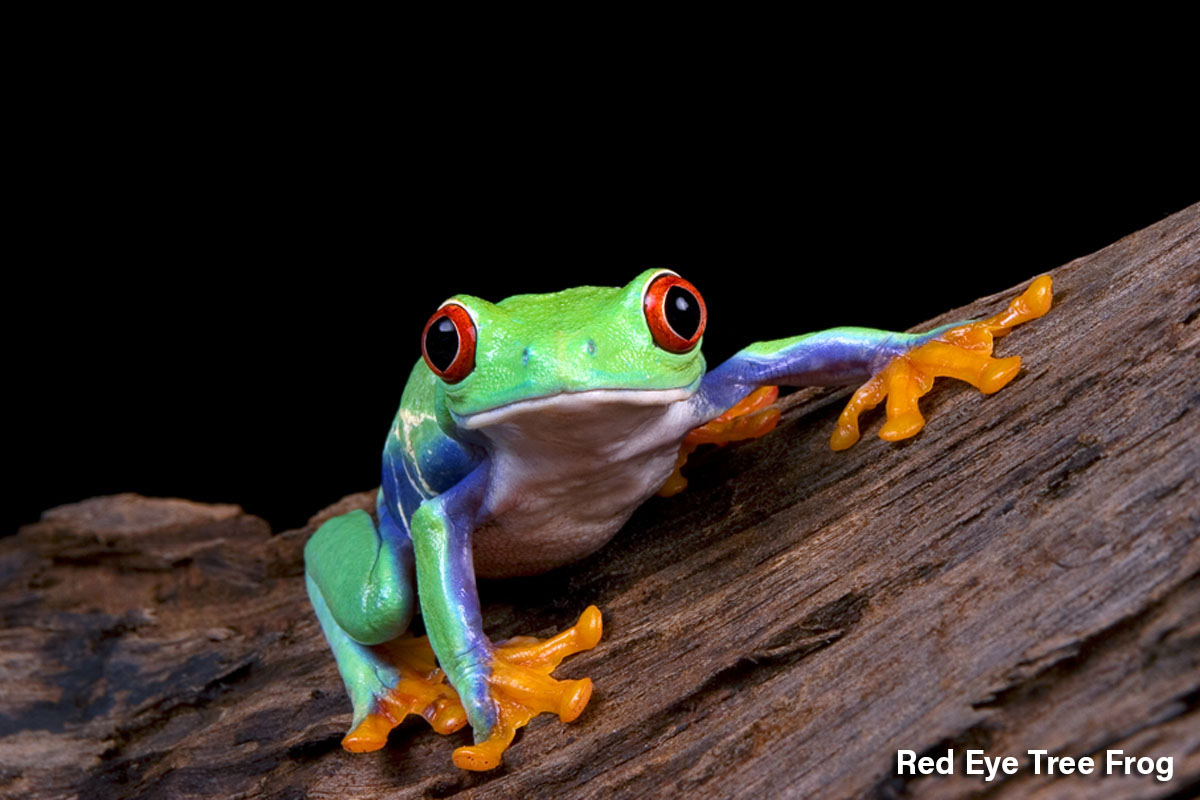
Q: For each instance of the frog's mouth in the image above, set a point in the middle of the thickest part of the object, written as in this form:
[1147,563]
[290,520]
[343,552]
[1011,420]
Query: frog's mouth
[567,404]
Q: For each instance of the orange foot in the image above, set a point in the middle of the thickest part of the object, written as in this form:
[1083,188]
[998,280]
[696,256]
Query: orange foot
[963,352]
[751,418]
[422,689]
[522,687]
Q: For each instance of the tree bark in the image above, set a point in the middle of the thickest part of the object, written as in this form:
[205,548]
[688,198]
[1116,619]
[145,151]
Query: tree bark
[1022,575]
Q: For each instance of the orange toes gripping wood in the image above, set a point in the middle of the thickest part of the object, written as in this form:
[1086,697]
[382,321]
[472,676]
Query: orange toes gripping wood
[523,687]
[422,690]
[963,352]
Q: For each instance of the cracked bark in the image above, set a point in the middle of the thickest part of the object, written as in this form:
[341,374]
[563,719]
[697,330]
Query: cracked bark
[1024,574]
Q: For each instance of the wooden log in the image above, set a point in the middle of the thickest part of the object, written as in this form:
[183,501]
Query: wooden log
[1023,575]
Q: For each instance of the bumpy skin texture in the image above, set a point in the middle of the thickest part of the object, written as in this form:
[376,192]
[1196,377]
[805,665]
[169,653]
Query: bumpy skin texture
[571,417]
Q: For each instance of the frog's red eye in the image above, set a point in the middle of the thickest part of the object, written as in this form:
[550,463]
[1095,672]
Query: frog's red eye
[675,312]
[448,343]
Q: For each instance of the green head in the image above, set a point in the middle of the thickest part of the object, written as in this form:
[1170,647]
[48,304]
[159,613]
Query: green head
[643,336]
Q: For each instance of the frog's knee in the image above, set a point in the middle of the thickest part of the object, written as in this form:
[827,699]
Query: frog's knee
[363,580]
[385,616]
[340,537]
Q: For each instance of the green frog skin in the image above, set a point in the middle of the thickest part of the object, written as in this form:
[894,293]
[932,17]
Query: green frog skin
[527,435]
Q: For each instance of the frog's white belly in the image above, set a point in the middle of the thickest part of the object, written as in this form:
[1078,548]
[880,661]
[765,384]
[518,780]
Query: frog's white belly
[568,473]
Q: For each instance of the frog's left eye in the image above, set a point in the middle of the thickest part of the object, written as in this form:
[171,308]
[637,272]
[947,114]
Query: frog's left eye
[448,343]
[675,313]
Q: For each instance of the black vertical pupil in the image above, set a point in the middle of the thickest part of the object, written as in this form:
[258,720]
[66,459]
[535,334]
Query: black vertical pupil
[683,312]
[441,343]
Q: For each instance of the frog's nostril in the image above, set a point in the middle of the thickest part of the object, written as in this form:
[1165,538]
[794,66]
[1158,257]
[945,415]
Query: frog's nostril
[525,357]
[591,347]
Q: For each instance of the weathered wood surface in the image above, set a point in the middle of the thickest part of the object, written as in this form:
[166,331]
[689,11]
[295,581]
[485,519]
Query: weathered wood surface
[1024,574]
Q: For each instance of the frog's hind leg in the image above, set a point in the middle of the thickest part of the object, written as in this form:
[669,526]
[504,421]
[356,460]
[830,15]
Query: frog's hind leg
[753,416]
[962,351]
[387,682]
[361,587]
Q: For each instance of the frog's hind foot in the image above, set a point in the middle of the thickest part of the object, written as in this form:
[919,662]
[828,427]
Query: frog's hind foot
[420,688]
[752,417]
[522,687]
[963,352]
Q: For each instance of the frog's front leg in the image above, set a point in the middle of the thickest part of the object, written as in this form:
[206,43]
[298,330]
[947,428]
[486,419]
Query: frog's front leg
[897,366]
[360,582]
[501,686]
[961,350]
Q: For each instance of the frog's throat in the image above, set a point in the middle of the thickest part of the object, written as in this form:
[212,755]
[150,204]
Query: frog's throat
[574,402]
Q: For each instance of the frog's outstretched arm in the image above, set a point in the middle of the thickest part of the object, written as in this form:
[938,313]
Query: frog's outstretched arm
[833,357]
[501,686]
[898,366]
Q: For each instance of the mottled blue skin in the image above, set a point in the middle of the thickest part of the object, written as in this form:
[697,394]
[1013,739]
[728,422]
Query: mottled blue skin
[440,493]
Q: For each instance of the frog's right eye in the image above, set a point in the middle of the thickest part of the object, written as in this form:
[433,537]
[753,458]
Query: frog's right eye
[675,312]
[448,343]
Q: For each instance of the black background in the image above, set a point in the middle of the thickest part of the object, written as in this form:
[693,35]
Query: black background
[221,299]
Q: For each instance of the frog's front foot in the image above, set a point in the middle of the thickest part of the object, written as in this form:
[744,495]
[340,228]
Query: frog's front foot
[963,352]
[406,681]
[521,687]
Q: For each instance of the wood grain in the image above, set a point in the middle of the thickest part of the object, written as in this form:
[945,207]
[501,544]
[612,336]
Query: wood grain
[1024,574]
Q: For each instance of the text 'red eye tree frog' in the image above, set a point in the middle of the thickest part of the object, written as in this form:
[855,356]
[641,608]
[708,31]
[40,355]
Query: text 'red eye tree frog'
[526,437]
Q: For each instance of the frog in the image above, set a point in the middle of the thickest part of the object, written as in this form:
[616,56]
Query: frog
[528,432]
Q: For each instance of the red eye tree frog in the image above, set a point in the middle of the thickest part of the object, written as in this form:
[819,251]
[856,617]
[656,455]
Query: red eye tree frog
[527,435]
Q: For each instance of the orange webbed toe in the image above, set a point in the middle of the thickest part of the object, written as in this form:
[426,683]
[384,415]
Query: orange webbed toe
[963,352]
[522,687]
